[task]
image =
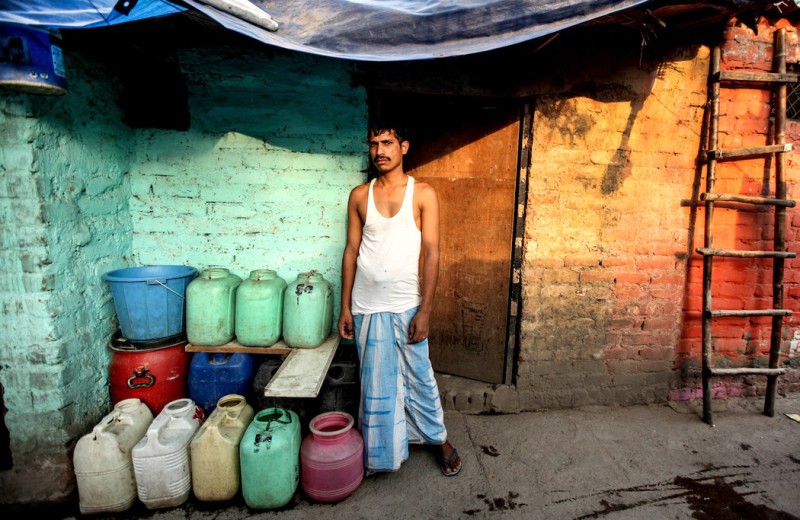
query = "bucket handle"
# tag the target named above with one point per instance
(162, 284)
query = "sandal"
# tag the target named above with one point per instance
(445, 463)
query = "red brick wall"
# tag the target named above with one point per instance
(611, 282)
(606, 235)
(744, 283)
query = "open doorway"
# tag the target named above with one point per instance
(468, 150)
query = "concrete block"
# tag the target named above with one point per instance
(504, 399)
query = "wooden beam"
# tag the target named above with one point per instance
(279, 348)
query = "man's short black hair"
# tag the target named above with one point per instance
(379, 127)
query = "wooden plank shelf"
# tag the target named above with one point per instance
(234, 346)
(302, 373)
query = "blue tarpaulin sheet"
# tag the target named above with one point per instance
(368, 30)
(75, 14)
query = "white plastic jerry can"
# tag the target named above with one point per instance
(161, 457)
(102, 458)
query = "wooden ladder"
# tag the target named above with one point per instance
(774, 81)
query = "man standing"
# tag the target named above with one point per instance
(390, 222)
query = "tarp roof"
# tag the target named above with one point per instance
(368, 30)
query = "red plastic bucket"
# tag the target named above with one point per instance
(156, 372)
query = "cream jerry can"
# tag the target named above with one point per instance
(214, 450)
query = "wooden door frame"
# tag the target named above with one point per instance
(515, 302)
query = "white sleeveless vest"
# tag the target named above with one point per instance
(387, 269)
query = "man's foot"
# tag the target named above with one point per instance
(449, 460)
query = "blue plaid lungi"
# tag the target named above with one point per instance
(400, 402)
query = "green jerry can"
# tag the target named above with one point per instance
(270, 458)
(211, 307)
(307, 311)
(259, 309)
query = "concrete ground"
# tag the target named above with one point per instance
(643, 462)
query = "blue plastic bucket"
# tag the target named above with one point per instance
(150, 300)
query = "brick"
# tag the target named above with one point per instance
(614, 353)
(596, 276)
(560, 276)
(582, 261)
(658, 353)
(656, 263)
(629, 291)
(671, 280)
(659, 324)
(635, 278)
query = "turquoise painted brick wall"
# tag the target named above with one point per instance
(65, 220)
(261, 179)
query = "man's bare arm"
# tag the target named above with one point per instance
(349, 257)
(429, 226)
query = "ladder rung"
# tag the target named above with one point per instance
(729, 197)
(720, 155)
(750, 312)
(756, 77)
(747, 371)
(745, 254)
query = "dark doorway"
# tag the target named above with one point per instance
(467, 149)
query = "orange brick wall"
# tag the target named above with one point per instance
(611, 283)
(744, 122)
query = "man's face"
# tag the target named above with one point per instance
(386, 152)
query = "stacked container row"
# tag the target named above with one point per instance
(259, 310)
(162, 460)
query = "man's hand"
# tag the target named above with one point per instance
(346, 329)
(418, 330)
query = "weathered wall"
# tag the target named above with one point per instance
(260, 180)
(606, 237)
(262, 177)
(65, 220)
(612, 284)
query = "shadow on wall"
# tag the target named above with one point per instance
(6, 462)
(172, 74)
